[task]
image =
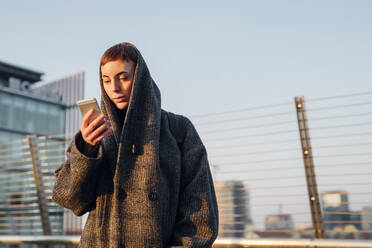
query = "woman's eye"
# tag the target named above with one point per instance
(106, 82)
(126, 78)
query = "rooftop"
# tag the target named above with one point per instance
(8, 70)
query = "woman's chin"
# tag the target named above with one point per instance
(121, 105)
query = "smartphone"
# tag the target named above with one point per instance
(86, 105)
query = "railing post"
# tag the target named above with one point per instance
(307, 155)
(38, 177)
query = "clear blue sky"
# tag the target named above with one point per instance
(206, 56)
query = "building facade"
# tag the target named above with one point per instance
(34, 121)
(233, 207)
(338, 220)
(334, 206)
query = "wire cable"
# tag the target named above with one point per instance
(248, 127)
(244, 119)
(341, 135)
(339, 96)
(337, 126)
(253, 135)
(260, 161)
(341, 165)
(347, 184)
(342, 145)
(338, 106)
(278, 187)
(342, 155)
(254, 153)
(346, 213)
(240, 110)
(222, 189)
(234, 197)
(344, 174)
(258, 170)
(253, 144)
(338, 116)
(270, 178)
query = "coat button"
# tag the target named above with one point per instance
(133, 149)
(122, 194)
(153, 196)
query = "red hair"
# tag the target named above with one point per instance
(123, 51)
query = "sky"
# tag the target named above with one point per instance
(206, 56)
(218, 56)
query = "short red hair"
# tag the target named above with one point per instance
(123, 51)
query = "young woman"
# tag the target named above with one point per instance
(140, 171)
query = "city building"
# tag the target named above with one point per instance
(233, 206)
(366, 217)
(29, 109)
(279, 222)
(335, 209)
(338, 220)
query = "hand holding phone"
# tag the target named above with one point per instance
(94, 127)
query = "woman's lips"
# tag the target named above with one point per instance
(120, 99)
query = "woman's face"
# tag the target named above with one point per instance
(117, 78)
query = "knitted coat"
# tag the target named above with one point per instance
(149, 184)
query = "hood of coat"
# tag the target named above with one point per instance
(142, 117)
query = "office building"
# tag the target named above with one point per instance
(338, 220)
(47, 111)
(334, 206)
(233, 205)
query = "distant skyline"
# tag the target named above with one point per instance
(206, 56)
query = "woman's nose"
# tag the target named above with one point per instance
(115, 85)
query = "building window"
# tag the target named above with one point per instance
(42, 118)
(6, 111)
(30, 116)
(18, 114)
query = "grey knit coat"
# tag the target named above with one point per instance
(149, 184)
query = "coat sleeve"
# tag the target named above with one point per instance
(197, 217)
(76, 178)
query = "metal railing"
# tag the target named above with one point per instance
(297, 169)
(220, 243)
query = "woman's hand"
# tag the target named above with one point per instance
(95, 129)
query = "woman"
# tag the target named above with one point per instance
(142, 173)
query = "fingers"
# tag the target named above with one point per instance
(93, 131)
(98, 131)
(86, 118)
(100, 137)
(94, 124)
